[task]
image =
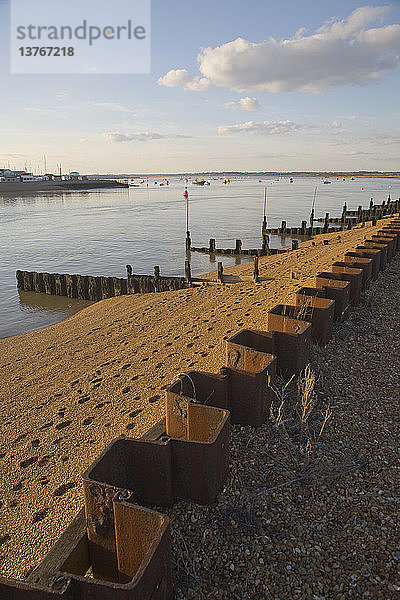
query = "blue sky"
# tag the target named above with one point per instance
(310, 85)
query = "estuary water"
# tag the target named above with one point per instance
(99, 232)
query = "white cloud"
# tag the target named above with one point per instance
(243, 104)
(338, 53)
(181, 77)
(263, 128)
(335, 125)
(142, 136)
(112, 106)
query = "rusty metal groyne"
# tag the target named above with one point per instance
(119, 538)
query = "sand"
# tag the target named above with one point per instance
(69, 389)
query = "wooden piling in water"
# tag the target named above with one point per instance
(326, 223)
(256, 271)
(188, 272)
(220, 273)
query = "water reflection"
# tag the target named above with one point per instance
(34, 302)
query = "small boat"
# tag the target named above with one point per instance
(291, 180)
(327, 181)
(199, 182)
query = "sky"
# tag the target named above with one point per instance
(250, 86)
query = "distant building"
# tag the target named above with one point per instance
(74, 176)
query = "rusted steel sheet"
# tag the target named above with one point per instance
(152, 471)
(292, 342)
(357, 260)
(375, 255)
(393, 230)
(291, 348)
(137, 568)
(319, 312)
(199, 448)
(336, 290)
(245, 393)
(250, 392)
(391, 238)
(383, 249)
(355, 276)
(141, 564)
(388, 242)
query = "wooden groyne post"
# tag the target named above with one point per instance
(326, 223)
(188, 271)
(256, 270)
(220, 273)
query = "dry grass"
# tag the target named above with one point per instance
(294, 413)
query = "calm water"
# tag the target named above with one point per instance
(98, 233)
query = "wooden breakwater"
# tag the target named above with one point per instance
(238, 250)
(88, 287)
(347, 220)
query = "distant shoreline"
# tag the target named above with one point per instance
(224, 174)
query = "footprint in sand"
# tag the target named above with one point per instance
(83, 399)
(20, 438)
(101, 404)
(28, 461)
(44, 460)
(39, 516)
(125, 390)
(88, 421)
(154, 399)
(62, 425)
(130, 426)
(4, 538)
(135, 413)
(64, 488)
(46, 425)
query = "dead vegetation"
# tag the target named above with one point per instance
(297, 414)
